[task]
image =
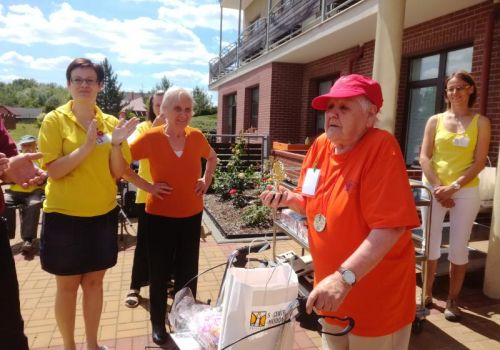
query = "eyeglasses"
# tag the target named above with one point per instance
(79, 81)
(457, 89)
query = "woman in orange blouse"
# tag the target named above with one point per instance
(174, 152)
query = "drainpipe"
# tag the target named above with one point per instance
(268, 22)
(238, 40)
(491, 286)
(355, 57)
(485, 71)
(220, 40)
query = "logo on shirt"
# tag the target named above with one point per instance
(350, 185)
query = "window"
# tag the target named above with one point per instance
(254, 107)
(231, 113)
(426, 93)
(323, 88)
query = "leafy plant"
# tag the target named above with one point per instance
(257, 215)
(230, 182)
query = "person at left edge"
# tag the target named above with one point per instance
(21, 170)
(83, 151)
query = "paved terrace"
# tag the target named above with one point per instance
(122, 328)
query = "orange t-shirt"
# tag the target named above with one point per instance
(364, 189)
(181, 173)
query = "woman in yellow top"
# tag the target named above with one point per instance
(83, 151)
(454, 151)
(140, 275)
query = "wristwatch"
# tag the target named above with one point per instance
(347, 276)
(455, 185)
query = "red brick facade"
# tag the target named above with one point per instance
(287, 89)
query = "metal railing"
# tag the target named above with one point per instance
(257, 143)
(286, 20)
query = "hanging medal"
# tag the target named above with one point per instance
(319, 222)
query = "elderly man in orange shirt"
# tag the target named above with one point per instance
(355, 193)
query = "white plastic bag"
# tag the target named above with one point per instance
(256, 299)
(201, 321)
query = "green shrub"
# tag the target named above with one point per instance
(257, 215)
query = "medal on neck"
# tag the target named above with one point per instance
(319, 222)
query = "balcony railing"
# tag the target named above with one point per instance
(287, 19)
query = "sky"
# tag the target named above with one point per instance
(143, 40)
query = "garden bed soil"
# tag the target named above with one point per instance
(228, 219)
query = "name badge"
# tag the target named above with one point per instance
(310, 182)
(102, 139)
(462, 141)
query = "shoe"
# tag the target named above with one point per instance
(103, 347)
(160, 334)
(27, 247)
(452, 313)
(133, 299)
(428, 301)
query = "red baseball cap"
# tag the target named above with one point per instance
(351, 86)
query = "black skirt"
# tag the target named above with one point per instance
(74, 245)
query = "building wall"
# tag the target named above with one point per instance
(9, 119)
(287, 96)
(289, 118)
(260, 77)
(254, 10)
(465, 27)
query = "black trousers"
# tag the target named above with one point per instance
(140, 266)
(169, 237)
(11, 322)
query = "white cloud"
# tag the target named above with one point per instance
(95, 56)
(16, 59)
(196, 15)
(184, 77)
(124, 73)
(140, 40)
(9, 78)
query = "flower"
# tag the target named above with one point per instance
(232, 191)
(241, 175)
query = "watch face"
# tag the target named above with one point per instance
(349, 277)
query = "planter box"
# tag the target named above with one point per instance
(280, 146)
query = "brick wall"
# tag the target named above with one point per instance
(465, 27)
(260, 77)
(286, 102)
(288, 116)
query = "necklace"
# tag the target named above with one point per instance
(319, 221)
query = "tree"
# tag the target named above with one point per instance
(29, 93)
(202, 102)
(163, 85)
(110, 98)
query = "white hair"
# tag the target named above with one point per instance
(173, 94)
(364, 102)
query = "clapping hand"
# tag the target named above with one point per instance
(123, 130)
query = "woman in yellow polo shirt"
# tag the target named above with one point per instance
(83, 153)
(454, 151)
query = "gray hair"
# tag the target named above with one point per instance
(173, 94)
(364, 102)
